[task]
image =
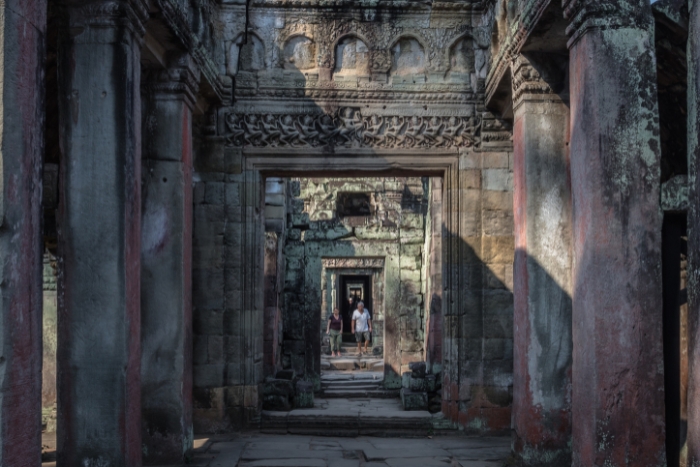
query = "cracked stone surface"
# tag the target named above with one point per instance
(261, 450)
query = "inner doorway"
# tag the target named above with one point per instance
(353, 289)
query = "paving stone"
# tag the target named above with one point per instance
(418, 450)
(420, 462)
(285, 463)
(344, 463)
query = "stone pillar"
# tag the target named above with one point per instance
(693, 433)
(22, 29)
(166, 264)
(618, 384)
(542, 344)
(99, 326)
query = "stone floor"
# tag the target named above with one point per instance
(260, 450)
(253, 449)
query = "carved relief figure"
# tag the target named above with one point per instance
(372, 131)
(307, 134)
(327, 130)
(462, 57)
(246, 57)
(414, 136)
(233, 128)
(408, 57)
(351, 57)
(450, 135)
(272, 134)
(392, 134)
(288, 132)
(299, 54)
(350, 128)
(432, 131)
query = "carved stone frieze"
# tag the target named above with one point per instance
(349, 128)
(353, 263)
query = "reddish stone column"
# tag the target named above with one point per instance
(166, 264)
(618, 384)
(693, 433)
(542, 344)
(23, 29)
(99, 346)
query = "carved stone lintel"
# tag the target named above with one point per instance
(354, 263)
(586, 15)
(349, 128)
(130, 14)
(181, 78)
(534, 81)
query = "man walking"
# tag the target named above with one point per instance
(361, 326)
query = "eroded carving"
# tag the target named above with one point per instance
(299, 54)
(351, 57)
(344, 263)
(408, 57)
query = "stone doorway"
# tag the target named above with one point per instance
(352, 290)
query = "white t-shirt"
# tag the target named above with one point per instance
(361, 320)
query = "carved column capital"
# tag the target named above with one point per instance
(541, 81)
(586, 15)
(180, 79)
(106, 14)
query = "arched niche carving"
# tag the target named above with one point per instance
(351, 57)
(298, 53)
(462, 56)
(245, 57)
(408, 57)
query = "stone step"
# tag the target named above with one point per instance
(351, 384)
(354, 393)
(338, 417)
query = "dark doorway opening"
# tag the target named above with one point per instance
(353, 289)
(675, 335)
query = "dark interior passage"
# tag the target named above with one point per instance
(353, 289)
(675, 335)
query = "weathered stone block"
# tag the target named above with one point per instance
(411, 400)
(209, 376)
(498, 201)
(417, 369)
(277, 403)
(498, 179)
(496, 160)
(497, 223)
(214, 193)
(417, 384)
(274, 212)
(430, 383)
(498, 249)
(234, 396)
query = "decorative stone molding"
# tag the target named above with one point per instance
(131, 14)
(194, 33)
(349, 128)
(353, 263)
(587, 15)
(531, 83)
(181, 78)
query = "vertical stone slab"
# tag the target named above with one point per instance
(542, 287)
(22, 37)
(617, 398)
(99, 349)
(166, 264)
(693, 401)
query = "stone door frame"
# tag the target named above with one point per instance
(331, 270)
(460, 204)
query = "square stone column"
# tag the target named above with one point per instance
(99, 326)
(693, 433)
(166, 263)
(23, 34)
(542, 345)
(618, 381)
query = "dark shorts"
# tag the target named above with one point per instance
(359, 335)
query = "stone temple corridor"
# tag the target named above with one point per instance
(189, 188)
